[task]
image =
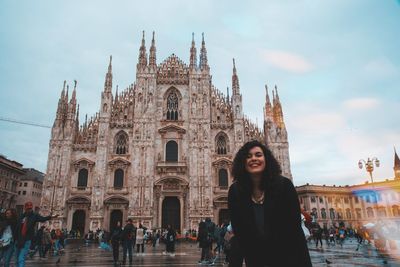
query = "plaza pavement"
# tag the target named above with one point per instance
(188, 254)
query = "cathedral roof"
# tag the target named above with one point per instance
(173, 71)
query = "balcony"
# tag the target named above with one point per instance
(220, 189)
(81, 190)
(117, 190)
(170, 167)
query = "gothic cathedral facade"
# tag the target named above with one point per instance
(158, 152)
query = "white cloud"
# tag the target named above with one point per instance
(318, 122)
(361, 103)
(287, 61)
(381, 68)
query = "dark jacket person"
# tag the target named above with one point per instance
(265, 211)
(26, 230)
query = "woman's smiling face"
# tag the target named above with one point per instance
(255, 161)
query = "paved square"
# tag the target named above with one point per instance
(188, 254)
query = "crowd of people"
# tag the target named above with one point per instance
(19, 237)
(381, 236)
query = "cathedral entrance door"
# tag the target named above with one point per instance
(78, 221)
(171, 213)
(223, 216)
(115, 216)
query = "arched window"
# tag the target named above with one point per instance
(83, 178)
(172, 106)
(339, 214)
(370, 212)
(171, 151)
(221, 146)
(332, 213)
(382, 212)
(222, 178)
(119, 178)
(358, 213)
(323, 213)
(348, 214)
(121, 143)
(314, 213)
(396, 212)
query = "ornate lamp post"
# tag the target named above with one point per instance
(369, 167)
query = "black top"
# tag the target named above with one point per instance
(31, 219)
(284, 243)
(259, 218)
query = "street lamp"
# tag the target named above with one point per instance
(369, 167)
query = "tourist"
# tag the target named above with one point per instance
(7, 232)
(140, 238)
(46, 243)
(265, 211)
(204, 243)
(170, 240)
(115, 240)
(25, 232)
(128, 240)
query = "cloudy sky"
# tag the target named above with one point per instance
(336, 64)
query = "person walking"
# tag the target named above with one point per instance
(25, 232)
(204, 243)
(318, 235)
(46, 243)
(115, 240)
(7, 233)
(140, 238)
(261, 201)
(170, 240)
(128, 240)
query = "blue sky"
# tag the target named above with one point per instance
(336, 64)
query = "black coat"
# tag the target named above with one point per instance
(32, 218)
(284, 244)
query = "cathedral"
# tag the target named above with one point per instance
(158, 152)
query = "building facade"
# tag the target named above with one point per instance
(356, 204)
(158, 152)
(10, 173)
(29, 188)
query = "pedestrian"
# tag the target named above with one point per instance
(36, 242)
(7, 232)
(154, 237)
(140, 238)
(170, 240)
(318, 235)
(204, 243)
(342, 236)
(227, 243)
(25, 232)
(265, 211)
(46, 242)
(115, 240)
(128, 240)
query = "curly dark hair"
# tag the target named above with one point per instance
(240, 174)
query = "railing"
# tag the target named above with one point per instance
(117, 190)
(171, 167)
(81, 190)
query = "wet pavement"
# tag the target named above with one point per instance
(188, 254)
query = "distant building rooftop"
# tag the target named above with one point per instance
(32, 175)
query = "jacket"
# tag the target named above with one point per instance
(32, 218)
(284, 244)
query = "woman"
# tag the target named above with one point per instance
(204, 242)
(8, 233)
(265, 211)
(115, 240)
(170, 240)
(140, 238)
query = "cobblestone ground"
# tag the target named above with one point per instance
(188, 254)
